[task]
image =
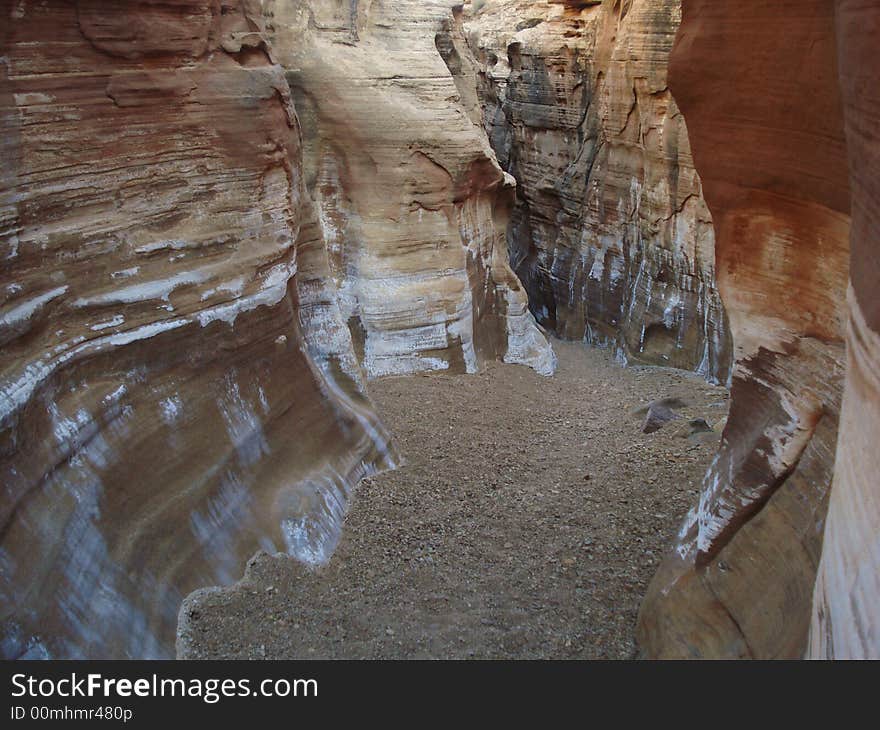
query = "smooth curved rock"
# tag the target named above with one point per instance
(412, 202)
(758, 85)
(846, 621)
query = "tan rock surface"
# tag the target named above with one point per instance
(758, 85)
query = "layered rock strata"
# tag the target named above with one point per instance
(192, 284)
(759, 87)
(177, 388)
(411, 200)
(610, 232)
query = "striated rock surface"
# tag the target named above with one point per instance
(846, 620)
(411, 200)
(177, 387)
(610, 231)
(758, 84)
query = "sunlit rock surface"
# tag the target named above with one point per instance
(758, 83)
(410, 198)
(610, 232)
(177, 387)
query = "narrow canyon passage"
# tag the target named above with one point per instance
(527, 521)
(224, 224)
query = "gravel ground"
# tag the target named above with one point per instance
(527, 522)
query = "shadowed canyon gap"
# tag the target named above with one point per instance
(221, 217)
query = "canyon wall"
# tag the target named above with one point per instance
(610, 232)
(612, 237)
(177, 387)
(411, 200)
(758, 84)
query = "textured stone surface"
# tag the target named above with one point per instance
(758, 84)
(410, 197)
(610, 231)
(176, 385)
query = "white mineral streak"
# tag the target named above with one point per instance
(170, 408)
(317, 507)
(243, 424)
(16, 391)
(114, 321)
(462, 329)
(142, 291)
(214, 525)
(17, 317)
(525, 344)
(271, 291)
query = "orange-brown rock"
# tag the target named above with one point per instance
(758, 85)
(846, 603)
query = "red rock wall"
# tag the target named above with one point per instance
(758, 84)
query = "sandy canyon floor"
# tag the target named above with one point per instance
(528, 519)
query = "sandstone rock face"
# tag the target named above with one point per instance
(758, 85)
(177, 387)
(846, 621)
(610, 232)
(411, 200)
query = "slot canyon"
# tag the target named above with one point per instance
(440, 329)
